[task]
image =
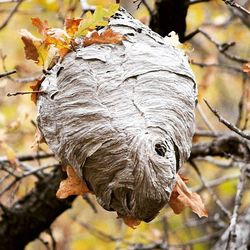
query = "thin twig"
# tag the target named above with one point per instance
(216, 199)
(205, 119)
(222, 66)
(217, 182)
(190, 2)
(242, 102)
(206, 133)
(223, 48)
(91, 204)
(25, 93)
(12, 12)
(53, 240)
(231, 243)
(237, 6)
(227, 123)
(7, 73)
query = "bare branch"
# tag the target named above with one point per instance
(191, 2)
(7, 73)
(213, 195)
(25, 93)
(232, 237)
(224, 146)
(222, 48)
(227, 123)
(222, 66)
(12, 12)
(237, 6)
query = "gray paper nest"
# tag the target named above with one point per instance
(123, 116)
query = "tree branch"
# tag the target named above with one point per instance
(7, 73)
(237, 6)
(12, 12)
(33, 214)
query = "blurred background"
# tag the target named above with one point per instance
(221, 82)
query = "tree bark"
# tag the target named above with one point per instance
(33, 214)
(170, 16)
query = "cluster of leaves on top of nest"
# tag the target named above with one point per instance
(56, 42)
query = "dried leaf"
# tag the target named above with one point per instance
(131, 222)
(35, 87)
(246, 68)
(182, 197)
(71, 25)
(73, 185)
(62, 47)
(106, 37)
(31, 45)
(42, 26)
(34, 48)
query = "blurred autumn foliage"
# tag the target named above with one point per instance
(219, 53)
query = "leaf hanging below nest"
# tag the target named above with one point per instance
(182, 197)
(129, 221)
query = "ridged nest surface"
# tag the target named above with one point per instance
(122, 116)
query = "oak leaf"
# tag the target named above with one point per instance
(106, 37)
(71, 25)
(42, 26)
(31, 44)
(73, 185)
(182, 197)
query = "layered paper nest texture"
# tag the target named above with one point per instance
(122, 116)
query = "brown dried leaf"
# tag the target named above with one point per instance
(31, 44)
(106, 37)
(35, 87)
(182, 197)
(131, 222)
(246, 68)
(73, 185)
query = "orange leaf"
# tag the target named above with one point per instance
(182, 197)
(129, 221)
(73, 185)
(42, 26)
(246, 68)
(71, 25)
(106, 37)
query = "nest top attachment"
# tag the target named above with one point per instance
(122, 116)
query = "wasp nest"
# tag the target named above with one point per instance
(122, 116)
